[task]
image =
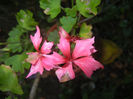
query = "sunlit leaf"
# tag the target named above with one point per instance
(51, 7)
(68, 22)
(25, 20)
(85, 31)
(9, 81)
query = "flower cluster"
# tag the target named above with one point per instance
(64, 65)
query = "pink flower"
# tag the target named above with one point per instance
(39, 59)
(81, 57)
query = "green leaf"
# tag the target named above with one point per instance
(18, 62)
(3, 56)
(25, 20)
(71, 11)
(14, 39)
(9, 80)
(93, 6)
(68, 22)
(85, 31)
(53, 37)
(87, 7)
(51, 7)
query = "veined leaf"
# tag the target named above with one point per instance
(14, 39)
(18, 62)
(9, 80)
(51, 7)
(87, 7)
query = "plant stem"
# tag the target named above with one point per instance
(34, 87)
(72, 3)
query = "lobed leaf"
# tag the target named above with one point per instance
(71, 11)
(51, 7)
(68, 22)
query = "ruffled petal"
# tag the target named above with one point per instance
(83, 48)
(46, 47)
(64, 46)
(36, 68)
(88, 65)
(65, 73)
(36, 39)
(33, 57)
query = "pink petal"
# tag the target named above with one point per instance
(65, 73)
(55, 58)
(63, 33)
(36, 39)
(33, 57)
(83, 48)
(64, 46)
(36, 68)
(88, 65)
(47, 63)
(46, 47)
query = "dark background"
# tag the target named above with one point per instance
(114, 22)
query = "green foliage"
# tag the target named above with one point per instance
(53, 37)
(51, 7)
(26, 23)
(85, 31)
(87, 7)
(18, 62)
(68, 22)
(25, 20)
(14, 43)
(9, 80)
(9, 97)
(71, 11)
